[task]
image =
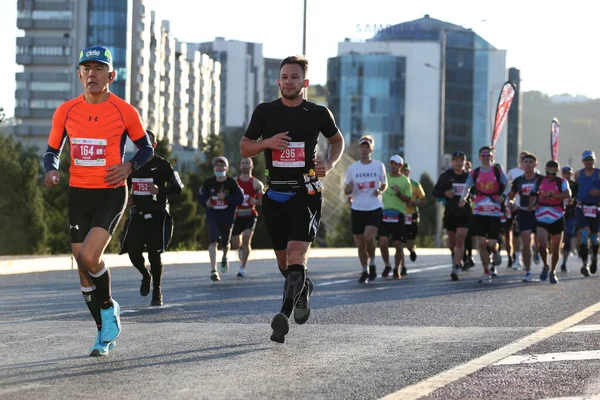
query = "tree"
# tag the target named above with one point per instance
(21, 207)
(342, 235)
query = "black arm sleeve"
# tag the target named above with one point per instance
(175, 185)
(144, 153)
(52, 155)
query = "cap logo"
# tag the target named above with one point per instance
(92, 53)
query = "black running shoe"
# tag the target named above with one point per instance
(563, 268)
(386, 271)
(396, 274)
(364, 278)
(145, 286)
(372, 272)
(594, 266)
(281, 326)
(413, 256)
(214, 276)
(585, 271)
(403, 271)
(157, 298)
(302, 309)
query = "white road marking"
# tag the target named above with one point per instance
(549, 357)
(428, 386)
(584, 328)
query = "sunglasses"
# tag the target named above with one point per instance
(550, 173)
(588, 159)
(486, 154)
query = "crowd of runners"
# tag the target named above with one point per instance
(537, 216)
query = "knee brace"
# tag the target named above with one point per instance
(594, 239)
(584, 236)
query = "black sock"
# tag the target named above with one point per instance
(285, 272)
(583, 252)
(91, 300)
(156, 268)
(292, 287)
(102, 283)
(452, 255)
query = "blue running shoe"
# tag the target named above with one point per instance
(111, 323)
(100, 349)
(544, 274)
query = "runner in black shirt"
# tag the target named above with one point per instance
(449, 187)
(220, 195)
(150, 223)
(288, 129)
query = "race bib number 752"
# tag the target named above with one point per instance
(292, 157)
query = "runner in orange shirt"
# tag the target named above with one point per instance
(96, 125)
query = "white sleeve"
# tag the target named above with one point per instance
(383, 174)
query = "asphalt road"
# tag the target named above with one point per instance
(422, 336)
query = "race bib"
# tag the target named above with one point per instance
(246, 199)
(292, 157)
(590, 211)
(366, 185)
(408, 218)
(89, 152)
(390, 218)
(218, 204)
(141, 186)
(458, 188)
(487, 208)
(526, 189)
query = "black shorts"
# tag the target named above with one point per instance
(485, 226)
(220, 225)
(397, 230)
(453, 222)
(244, 223)
(297, 219)
(362, 219)
(152, 230)
(555, 228)
(412, 228)
(94, 208)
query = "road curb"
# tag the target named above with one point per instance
(10, 265)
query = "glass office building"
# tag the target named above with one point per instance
(108, 27)
(367, 96)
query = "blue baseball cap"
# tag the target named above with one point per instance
(567, 169)
(96, 53)
(588, 154)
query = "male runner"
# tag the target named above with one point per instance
(570, 216)
(489, 182)
(220, 195)
(588, 199)
(394, 205)
(365, 181)
(412, 215)
(287, 131)
(520, 193)
(96, 124)
(468, 253)
(450, 187)
(150, 224)
(549, 193)
(246, 214)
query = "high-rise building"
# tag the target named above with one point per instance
(514, 121)
(154, 72)
(242, 79)
(271, 71)
(54, 36)
(425, 88)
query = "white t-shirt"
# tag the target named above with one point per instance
(367, 178)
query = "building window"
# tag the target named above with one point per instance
(51, 15)
(50, 86)
(45, 103)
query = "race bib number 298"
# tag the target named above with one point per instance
(292, 157)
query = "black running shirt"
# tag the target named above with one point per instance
(292, 169)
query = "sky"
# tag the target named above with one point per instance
(554, 45)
